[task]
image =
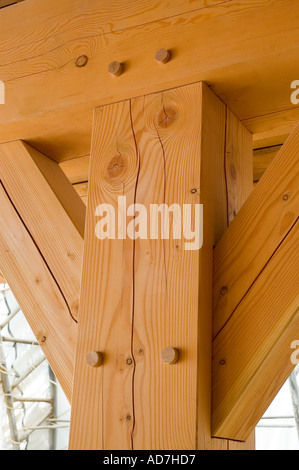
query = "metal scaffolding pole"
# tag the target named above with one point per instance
(295, 397)
(9, 386)
(8, 399)
(53, 392)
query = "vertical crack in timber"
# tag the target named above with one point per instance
(225, 169)
(164, 201)
(38, 249)
(134, 280)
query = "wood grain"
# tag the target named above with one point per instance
(263, 222)
(256, 318)
(252, 354)
(37, 293)
(102, 404)
(226, 181)
(76, 169)
(42, 227)
(143, 135)
(167, 147)
(2, 278)
(262, 159)
(7, 3)
(44, 57)
(51, 209)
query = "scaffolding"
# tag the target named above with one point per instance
(23, 368)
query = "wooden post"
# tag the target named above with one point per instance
(143, 295)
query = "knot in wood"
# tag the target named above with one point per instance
(81, 61)
(167, 116)
(116, 167)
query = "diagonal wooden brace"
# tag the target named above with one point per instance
(256, 299)
(41, 242)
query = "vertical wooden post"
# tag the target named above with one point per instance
(140, 296)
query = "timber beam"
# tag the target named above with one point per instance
(256, 299)
(55, 70)
(41, 240)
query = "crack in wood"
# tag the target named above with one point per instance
(134, 279)
(164, 198)
(39, 251)
(225, 169)
(257, 277)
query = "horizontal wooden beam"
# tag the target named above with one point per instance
(256, 299)
(41, 243)
(262, 159)
(7, 3)
(46, 86)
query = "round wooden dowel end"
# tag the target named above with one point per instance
(94, 358)
(115, 69)
(162, 56)
(170, 355)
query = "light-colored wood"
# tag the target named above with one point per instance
(248, 445)
(142, 280)
(37, 293)
(42, 225)
(132, 33)
(153, 149)
(163, 56)
(273, 129)
(256, 321)
(238, 166)
(6, 3)
(219, 444)
(82, 190)
(106, 297)
(52, 211)
(170, 356)
(226, 181)
(256, 346)
(76, 169)
(115, 69)
(94, 358)
(263, 223)
(262, 159)
(59, 185)
(2, 278)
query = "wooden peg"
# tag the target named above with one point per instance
(170, 355)
(115, 69)
(94, 358)
(162, 56)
